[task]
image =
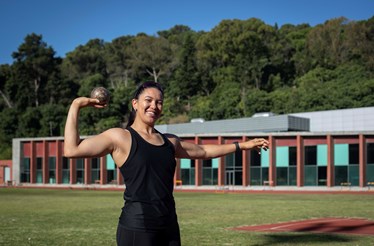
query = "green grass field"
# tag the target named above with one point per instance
(87, 217)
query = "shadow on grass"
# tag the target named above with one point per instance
(304, 239)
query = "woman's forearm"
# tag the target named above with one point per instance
(71, 133)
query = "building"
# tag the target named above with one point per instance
(298, 158)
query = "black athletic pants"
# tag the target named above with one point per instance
(167, 237)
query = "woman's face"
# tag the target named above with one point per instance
(148, 106)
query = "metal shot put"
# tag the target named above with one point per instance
(102, 94)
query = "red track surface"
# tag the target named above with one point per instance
(323, 225)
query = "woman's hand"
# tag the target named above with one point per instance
(256, 143)
(82, 102)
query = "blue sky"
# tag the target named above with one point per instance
(65, 24)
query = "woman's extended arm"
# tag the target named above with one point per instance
(98, 145)
(209, 151)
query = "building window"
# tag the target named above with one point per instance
(52, 169)
(65, 170)
(111, 170)
(370, 162)
(315, 169)
(210, 172)
(234, 169)
(259, 167)
(95, 170)
(187, 171)
(286, 165)
(346, 159)
(80, 171)
(39, 170)
(25, 170)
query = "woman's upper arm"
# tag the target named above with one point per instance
(98, 145)
(185, 149)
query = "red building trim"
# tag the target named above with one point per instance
(246, 164)
(300, 161)
(330, 161)
(103, 170)
(45, 170)
(272, 167)
(362, 160)
(221, 165)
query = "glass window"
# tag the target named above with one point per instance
(282, 176)
(25, 170)
(370, 173)
(282, 156)
(310, 155)
(39, 170)
(65, 170)
(80, 171)
(255, 175)
(255, 158)
(265, 174)
(292, 156)
(210, 172)
(95, 170)
(310, 175)
(341, 153)
(353, 154)
(370, 153)
(188, 176)
(230, 161)
(322, 155)
(322, 176)
(341, 175)
(110, 165)
(207, 163)
(292, 175)
(52, 169)
(65, 163)
(354, 176)
(264, 158)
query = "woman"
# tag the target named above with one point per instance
(146, 159)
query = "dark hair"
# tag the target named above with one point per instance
(139, 90)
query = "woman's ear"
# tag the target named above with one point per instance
(134, 103)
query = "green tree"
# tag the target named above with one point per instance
(152, 56)
(36, 61)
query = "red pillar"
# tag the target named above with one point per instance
(119, 177)
(45, 166)
(362, 160)
(272, 167)
(177, 173)
(246, 169)
(198, 167)
(300, 161)
(58, 162)
(87, 171)
(103, 170)
(33, 162)
(221, 166)
(330, 161)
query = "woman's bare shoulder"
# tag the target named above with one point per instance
(118, 133)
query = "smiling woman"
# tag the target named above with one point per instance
(146, 160)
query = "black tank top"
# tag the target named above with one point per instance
(148, 174)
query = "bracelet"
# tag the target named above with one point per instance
(237, 147)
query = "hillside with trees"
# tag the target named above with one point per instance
(238, 68)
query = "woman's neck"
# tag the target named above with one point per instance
(144, 128)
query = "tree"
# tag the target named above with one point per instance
(85, 60)
(117, 61)
(151, 55)
(5, 74)
(35, 59)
